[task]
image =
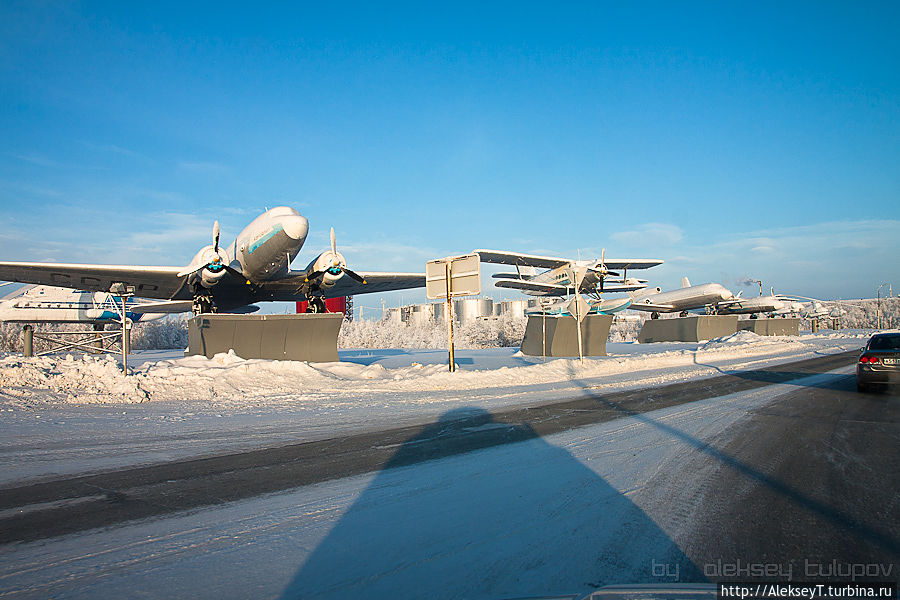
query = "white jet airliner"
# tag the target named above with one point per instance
(688, 297)
(253, 268)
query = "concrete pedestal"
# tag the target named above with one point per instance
(307, 337)
(561, 338)
(687, 329)
(770, 326)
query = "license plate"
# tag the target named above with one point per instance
(891, 361)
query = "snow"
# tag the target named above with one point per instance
(561, 514)
(73, 414)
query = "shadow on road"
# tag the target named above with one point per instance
(523, 518)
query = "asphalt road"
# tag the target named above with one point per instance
(809, 487)
(775, 463)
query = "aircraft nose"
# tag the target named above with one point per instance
(296, 226)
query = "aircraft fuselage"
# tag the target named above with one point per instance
(265, 248)
(687, 298)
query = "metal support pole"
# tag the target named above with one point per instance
(450, 320)
(544, 335)
(98, 337)
(578, 326)
(28, 340)
(124, 340)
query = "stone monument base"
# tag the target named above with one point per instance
(789, 326)
(307, 337)
(555, 335)
(687, 329)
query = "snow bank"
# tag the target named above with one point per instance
(75, 380)
(230, 380)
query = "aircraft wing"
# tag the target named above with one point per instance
(148, 282)
(376, 282)
(530, 286)
(551, 262)
(632, 263)
(523, 260)
(644, 306)
(288, 288)
(733, 301)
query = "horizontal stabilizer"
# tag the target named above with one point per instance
(166, 306)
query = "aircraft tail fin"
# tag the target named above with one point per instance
(685, 282)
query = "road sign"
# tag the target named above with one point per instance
(465, 276)
(450, 277)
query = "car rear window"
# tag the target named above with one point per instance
(885, 342)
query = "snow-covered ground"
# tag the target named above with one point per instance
(75, 414)
(561, 514)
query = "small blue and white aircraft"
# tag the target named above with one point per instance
(47, 304)
(253, 268)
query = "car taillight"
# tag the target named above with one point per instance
(868, 359)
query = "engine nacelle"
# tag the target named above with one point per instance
(214, 269)
(326, 269)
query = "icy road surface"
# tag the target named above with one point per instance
(65, 415)
(565, 513)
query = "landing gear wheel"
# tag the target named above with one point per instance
(316, 305)
(203, 305)
(683, 313)
(654, 315)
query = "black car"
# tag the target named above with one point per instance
(880, 361)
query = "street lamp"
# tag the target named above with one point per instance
(878, 314)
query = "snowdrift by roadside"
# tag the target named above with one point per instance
(230, 380)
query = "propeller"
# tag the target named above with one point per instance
(216, 264)
(602, 271)
(337, 267)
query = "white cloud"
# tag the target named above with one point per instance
(650, 234)
(829, 259)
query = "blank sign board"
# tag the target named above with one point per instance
(465, 276)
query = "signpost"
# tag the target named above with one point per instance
(579, 307)
(451, 277)
(125, 292)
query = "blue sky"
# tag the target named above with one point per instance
(732, 140)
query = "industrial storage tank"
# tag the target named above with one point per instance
(513, 308)
(393, 315)
(467, 310)
(419, 314)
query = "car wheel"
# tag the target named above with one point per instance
(862, 388)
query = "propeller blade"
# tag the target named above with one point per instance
(354, 276)
(216, 237)
(333, 244)
(313, 275)
(234, 272)
(189, 271)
